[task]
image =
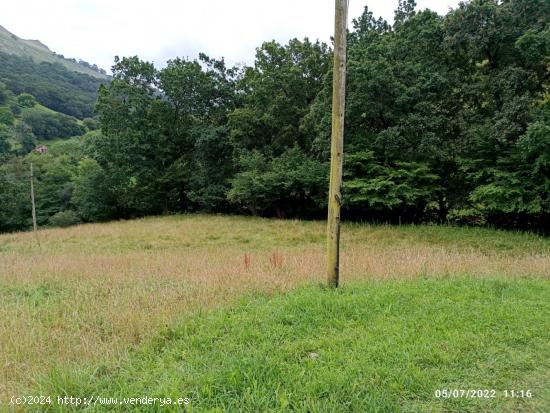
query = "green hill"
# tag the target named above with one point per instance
(25, 123)
(64, 85)
(39, 52)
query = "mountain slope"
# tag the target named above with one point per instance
(52, 84)
(39, 52)
(63, 85)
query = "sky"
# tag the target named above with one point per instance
(97, 30)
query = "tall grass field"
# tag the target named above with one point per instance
(231, 313)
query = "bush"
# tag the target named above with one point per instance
(290, 185)
(5, 136)
(466, 216)
(389, 190)
(92, 124)
(15, 109)
(6, 117)
(91, 196)
(26, 100)
(64, 219)
(3, 93)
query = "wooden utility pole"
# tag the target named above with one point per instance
(32, 200)
(337, 145)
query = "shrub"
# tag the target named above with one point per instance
(91, 196)
(3, 93)
(15, 109)
(26, 100)
(6, 117)
(466, 216)
(64, 219)
(5, 136)
(290, 185)
(91, 123)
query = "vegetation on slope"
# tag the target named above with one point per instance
(52, 84)
(448, 121)
(63, 85)
(24, 122)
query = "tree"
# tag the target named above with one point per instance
(92, 196)
(279, 90)
(5, 136)
(6, 117)
(25, 137)
(26, 100)
(15, 208)
(165, 144)
(91, 124)
(287, 186)
(402, 189)
(4, 93)
(53, 186)
(212, 168)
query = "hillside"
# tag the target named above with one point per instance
(25, 124)
(39, 52)
(63, 85)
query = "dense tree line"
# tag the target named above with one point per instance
(448, 120)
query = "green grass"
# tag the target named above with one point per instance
(382, 346)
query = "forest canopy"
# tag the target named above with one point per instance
(447, 120)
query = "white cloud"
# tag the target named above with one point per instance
(97, 30)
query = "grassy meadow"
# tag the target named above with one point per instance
(228, 312)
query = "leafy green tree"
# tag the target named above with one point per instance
(15, 109)
(53, 185)
(26, 100)
(139, 139)
(92, 196)
(6, 117)
(91, 124)
(286, 186)
(501, 50)
(64, 219)
(5, 136)
(162, 131)
(373, 189)
(15, 205)
(4, 93)
(25, 137)
(278, 92)
(212, 168)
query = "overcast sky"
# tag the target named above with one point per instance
(97, 30)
